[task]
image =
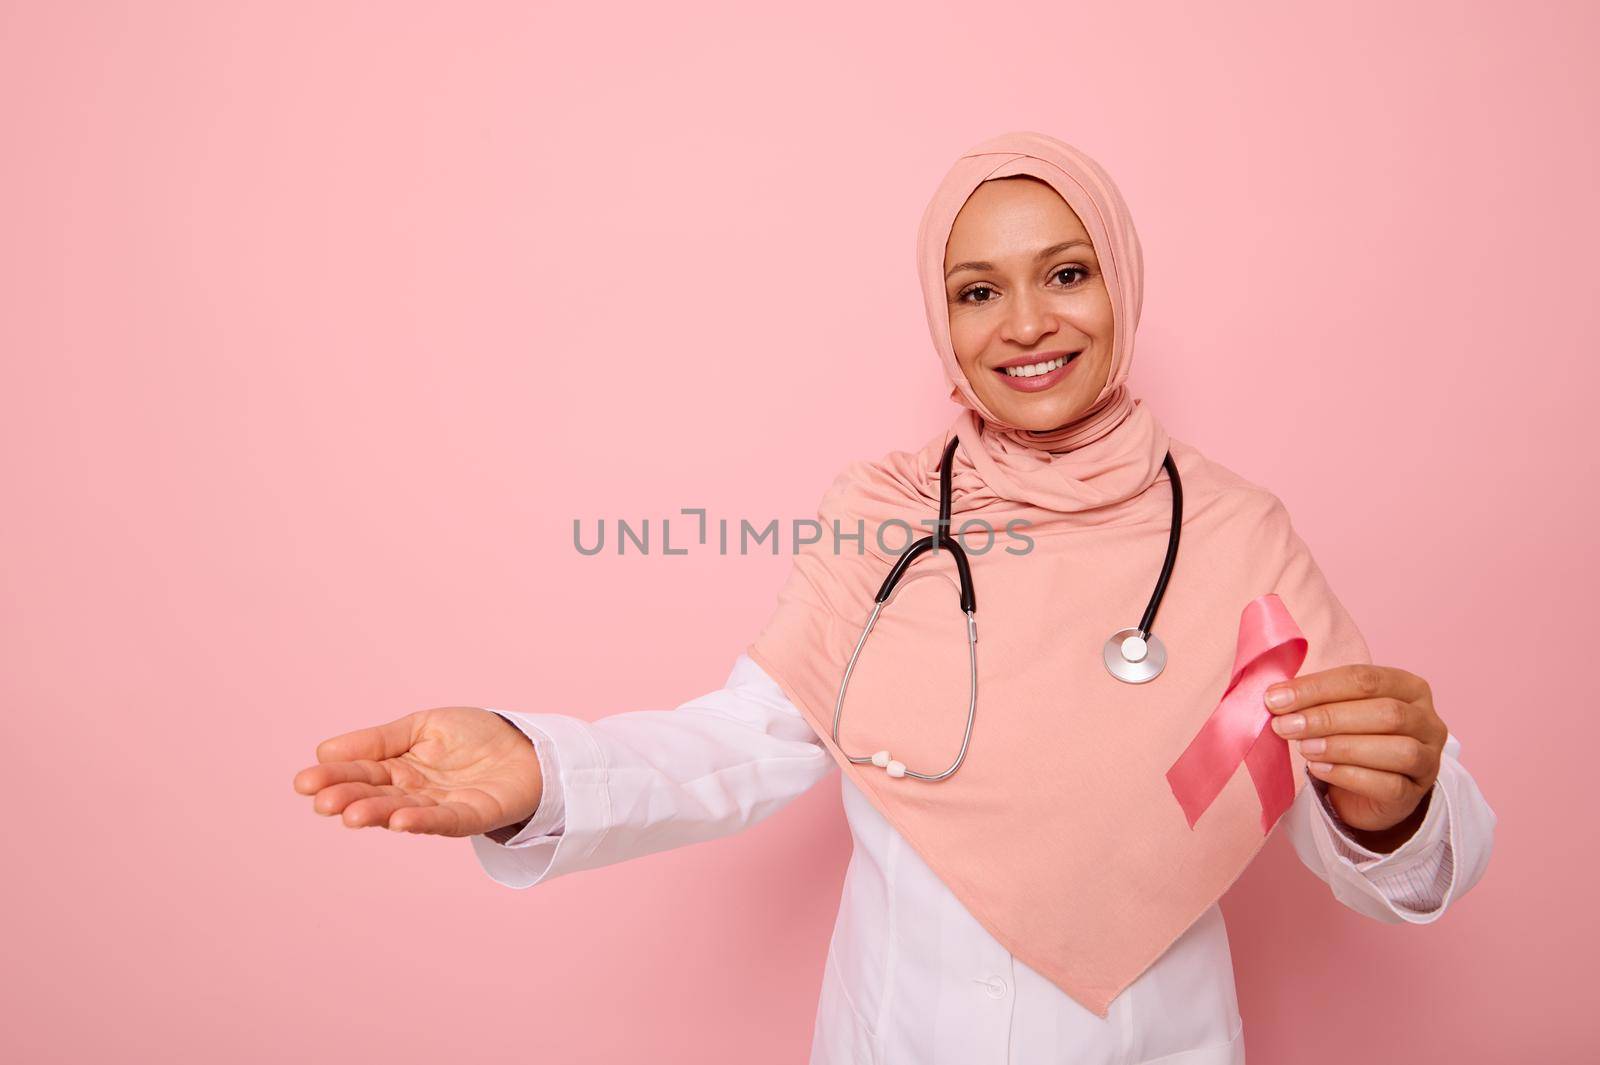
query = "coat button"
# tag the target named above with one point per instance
(995, 987)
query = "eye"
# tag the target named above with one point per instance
(989, 292)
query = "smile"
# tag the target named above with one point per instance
(1036, 368)
(1038, 376)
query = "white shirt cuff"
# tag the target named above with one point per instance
(1415, 876)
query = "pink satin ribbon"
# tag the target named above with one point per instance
(1271, 649)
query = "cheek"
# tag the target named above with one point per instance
(967, 340)
(1105, 320)
(1092, 318)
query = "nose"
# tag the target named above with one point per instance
(1027, 320)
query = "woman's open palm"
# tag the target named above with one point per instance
(450, 771)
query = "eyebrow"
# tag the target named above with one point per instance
(1054, 249)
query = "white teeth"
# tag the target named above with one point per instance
(1037, 368)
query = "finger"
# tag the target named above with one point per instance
(1367, 716)
(313, 779)
(374, 810)
(1405, 755)
(333, 800)
(375, 743)
(1357, 681)
(439, 819)
(1375, 784)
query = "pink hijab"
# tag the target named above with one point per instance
(1060, 832)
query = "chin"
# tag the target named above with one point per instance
(1037, 417)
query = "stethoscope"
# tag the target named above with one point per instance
(1133, 655)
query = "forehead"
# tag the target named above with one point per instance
(1011, 216)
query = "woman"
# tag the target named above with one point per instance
(1054, 897)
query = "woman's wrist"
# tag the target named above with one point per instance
(506, 832)
(1389, 840)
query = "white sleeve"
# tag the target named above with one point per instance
(1418, 880)
(647, 780)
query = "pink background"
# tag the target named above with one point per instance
(324, 321)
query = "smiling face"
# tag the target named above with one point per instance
(1025, 292)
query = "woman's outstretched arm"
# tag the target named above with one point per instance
(1417, 880)
(647, 780)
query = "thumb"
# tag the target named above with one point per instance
(375, 743)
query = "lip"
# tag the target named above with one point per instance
(1039, 382)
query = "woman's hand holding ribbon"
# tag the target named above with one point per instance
(1372, 734)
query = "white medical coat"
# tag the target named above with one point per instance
(911, 978)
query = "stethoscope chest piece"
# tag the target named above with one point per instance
(1134, 657)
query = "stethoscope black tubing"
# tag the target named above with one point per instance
(1172, 548)
(969, 601)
